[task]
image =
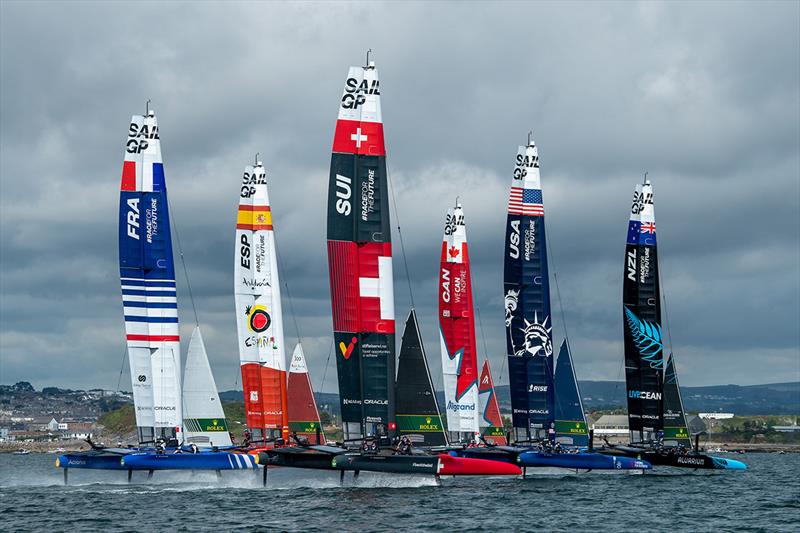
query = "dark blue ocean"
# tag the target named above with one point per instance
(764, 498)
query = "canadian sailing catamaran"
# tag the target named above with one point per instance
(457, 332)
(258, 313)
(644, 353)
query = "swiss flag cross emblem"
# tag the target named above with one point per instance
(356, 137)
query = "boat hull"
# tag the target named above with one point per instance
(689, 460)
(91, 460)
(438, 464)
(189, 461)
(296, 458)
(581, 461)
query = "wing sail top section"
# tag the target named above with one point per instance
(259, 316)
(529, 343)
(360, 259)
(457, 328)
(147, 276)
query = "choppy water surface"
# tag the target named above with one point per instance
(764, 498)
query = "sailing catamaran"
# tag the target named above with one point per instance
(362, 299)
(529, 340)
(644, 353)
(457, 332)
(258, 312)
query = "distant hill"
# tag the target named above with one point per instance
(773, 398)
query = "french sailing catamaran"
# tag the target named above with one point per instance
(529, 340)
(149, 298)
(650, 391)
(362, 298)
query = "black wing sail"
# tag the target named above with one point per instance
(675, 428)
(644, 356)
(417, 408)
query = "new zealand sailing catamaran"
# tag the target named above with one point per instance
(650, 391)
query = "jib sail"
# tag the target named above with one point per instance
(204, 422)
(360, 260)
(570, 418)
(529, 342)
(304, 418)
(417, 409)
(492, 429)
(675, 428)
(147, 275)
(644, 355)
(258, 310)
(457, 330)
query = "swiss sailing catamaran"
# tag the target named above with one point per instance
(362, 298)
(644, 355)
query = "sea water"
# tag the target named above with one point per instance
(766, 497)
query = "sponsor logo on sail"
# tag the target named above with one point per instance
(253, 395)
(537, 388)
(644, 395)
(138, 137)
(368, 195)
(347, 350)
(523, 163)
(258, 319)
(356, 93)
(456, 407)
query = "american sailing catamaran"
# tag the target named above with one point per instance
(529, 339)
(644, 355)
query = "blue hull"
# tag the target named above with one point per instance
(728, 464)
(91, 460)
(189, 461)
(581, 461)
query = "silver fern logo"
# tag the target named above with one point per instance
(512, 298)
(646, 336)
(537, 338)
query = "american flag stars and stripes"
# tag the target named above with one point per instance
(525, 202)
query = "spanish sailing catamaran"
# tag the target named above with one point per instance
(644, 354)
(258, 312)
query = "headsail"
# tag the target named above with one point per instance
(417, 409)
(644, 355)
(302, 406)
(258, 310)
(570, 418)
(204, 420)
(147, 275)
(675, 427)
(492, 429)
(457, 330)
(360, 260)
(529, 342)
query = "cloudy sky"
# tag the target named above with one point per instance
(704, 96)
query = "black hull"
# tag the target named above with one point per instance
(297, 458)
(395, 464)
(655, 457)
